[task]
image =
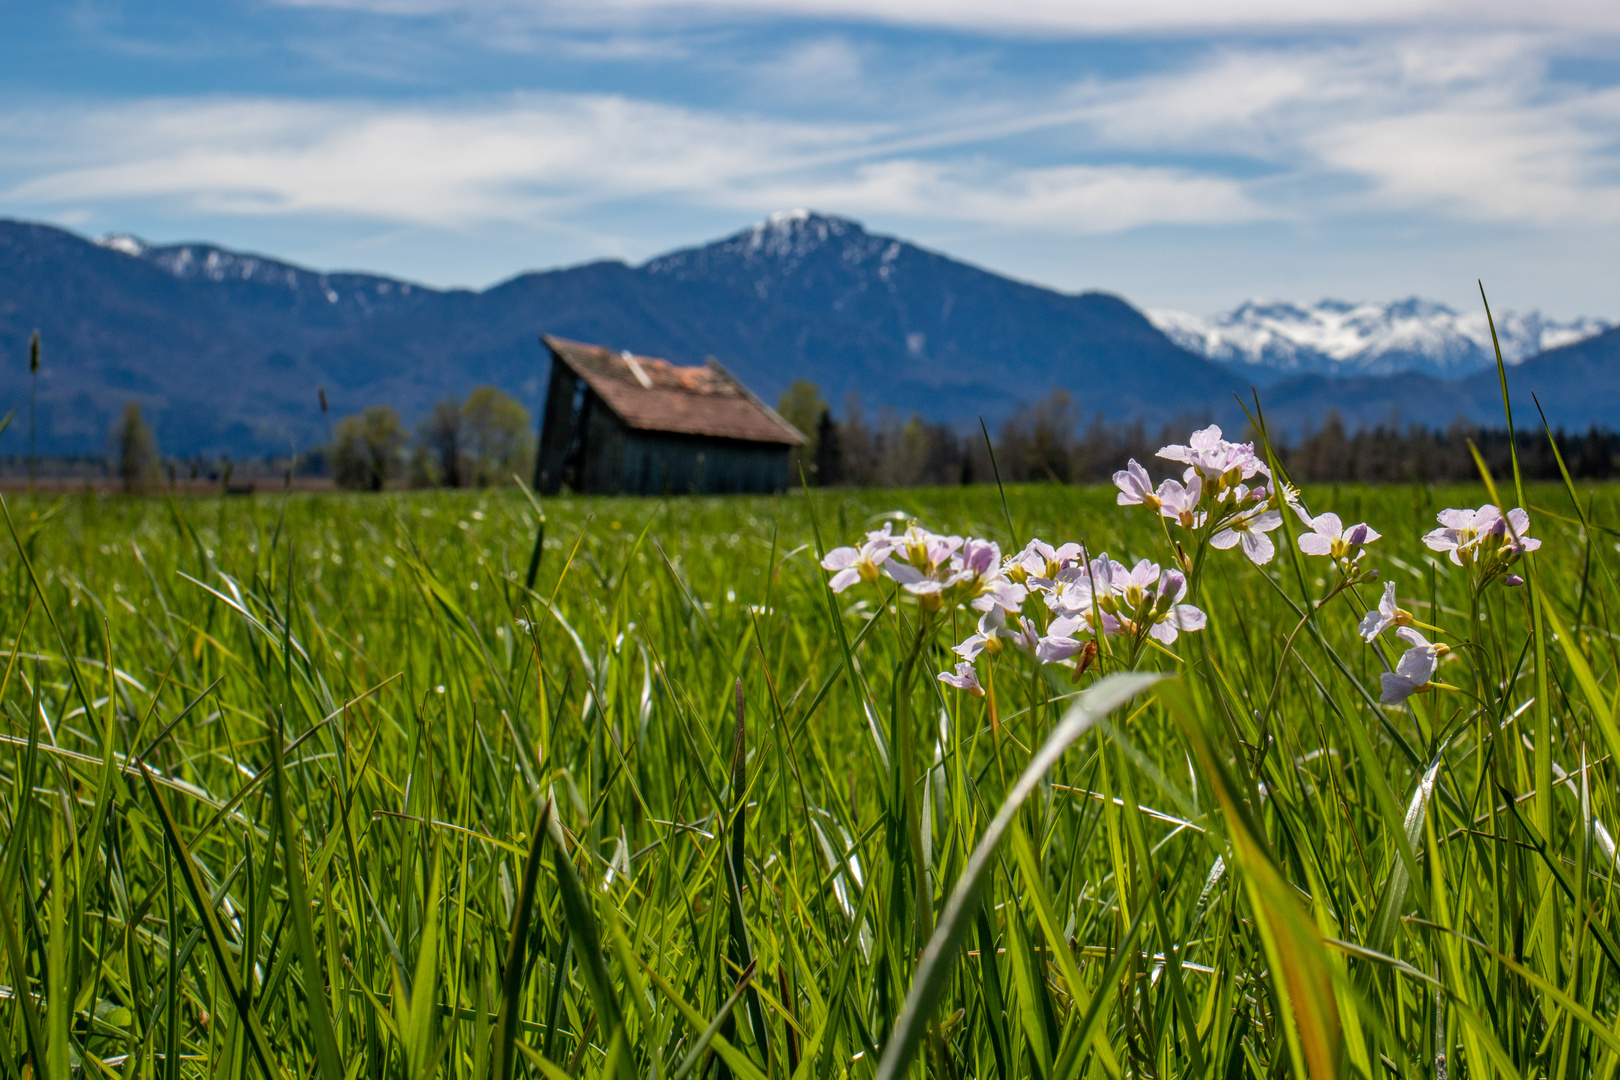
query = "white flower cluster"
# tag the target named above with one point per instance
(941, 571)
(1487, 542)
(1213, 492)
(1084, 598)
(1088, 599)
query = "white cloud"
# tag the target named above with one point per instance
(1485, 161)
(1446, 127)
(1076, 17)
(530, 157)
(1468, 128)
(543, 157)
(1077, 199)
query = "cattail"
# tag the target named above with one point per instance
(319, 391)
(33, 400)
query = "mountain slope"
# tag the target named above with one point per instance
(955, 340)
(1578, 386)
(1271, 340)
(224, 350)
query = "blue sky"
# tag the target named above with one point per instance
(1183, 153)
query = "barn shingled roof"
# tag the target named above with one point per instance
(655, 395)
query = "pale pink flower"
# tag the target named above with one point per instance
(1179, 502)
(1135, 486)
(993, 630)
(965, 678)
(1214, 457)
(852, 565)
(1384, 616)
(1514, 528)
(1169, 615)
(1415, 669)
(1078, 589)
(1462, 531)
(1042, 562)
(1059, 642)
(1250, 531)
(1331, 538)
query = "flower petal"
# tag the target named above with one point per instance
(1396, 689)
(839, 558)
(1258, 547)
(903, 572)
(1164, 632)
(1411, 636)
(1440, 540)
(1052, 649)
(965, 678)
(1315, 544)
(1187, 617)
(1417, 664)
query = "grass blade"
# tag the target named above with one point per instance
(327, 1056)
(938, 959)
(512, 974)
(234, 987)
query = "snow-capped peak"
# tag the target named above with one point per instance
(795, 233)
(124, 242)
(797, 245)
(1340, 338)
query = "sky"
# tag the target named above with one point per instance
(1186, 154)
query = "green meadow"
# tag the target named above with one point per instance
(322, 787)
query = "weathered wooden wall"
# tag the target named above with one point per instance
(656, 463)
(589, 450)
(556, 430)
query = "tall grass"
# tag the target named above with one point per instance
(319, 788)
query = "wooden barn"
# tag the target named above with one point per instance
(622, 424)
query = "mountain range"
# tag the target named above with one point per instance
(1274, 339)
(224, 350)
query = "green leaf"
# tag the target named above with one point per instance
(234, 987)
(938, 959)
(512, 974)
(327, 1056)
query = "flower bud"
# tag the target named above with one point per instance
(1088, 656)
(1513, 580)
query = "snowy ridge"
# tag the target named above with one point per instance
(207, 262)
(782, 248)
(1342, 339)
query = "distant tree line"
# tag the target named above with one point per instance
(1047, 442)
(487, 438)
(481, 441)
